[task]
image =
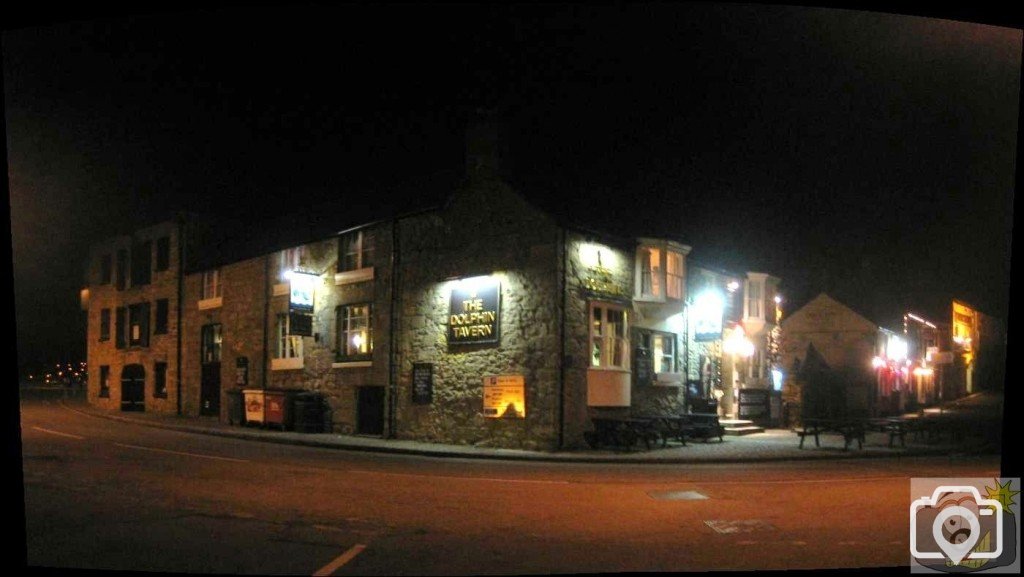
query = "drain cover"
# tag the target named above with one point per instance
(742, 526)
(677, 495)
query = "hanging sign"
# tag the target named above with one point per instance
(474, 311)
(302, 286)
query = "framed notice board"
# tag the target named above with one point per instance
(422, 383)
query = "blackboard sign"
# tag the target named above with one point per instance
(242, 371)
(300, 324)
(422, 383)
(474, 311)
(753, 403)
(643, 367)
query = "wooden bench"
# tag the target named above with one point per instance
(622, 432)
(704, 426)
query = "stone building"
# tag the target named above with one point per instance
(133, 340)
(841, 341)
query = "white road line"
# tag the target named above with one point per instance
(493, 479)
(345, 557)
(183, 454)
(58, 433)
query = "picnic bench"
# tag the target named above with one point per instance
(622, 432)
(850, 429)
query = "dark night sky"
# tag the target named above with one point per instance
(866, 154)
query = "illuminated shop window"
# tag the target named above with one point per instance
(355, 250)
(355, 332)
(608, 342)
(211, 284)
(288, 346)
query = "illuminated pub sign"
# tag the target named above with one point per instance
(301, 291)
(474, 311)
(504, 397)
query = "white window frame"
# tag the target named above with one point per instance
(674, 280)
(652, 276)
(605, 342)
(755, 298)
(288, 346)
(346, 332)
(659, 358)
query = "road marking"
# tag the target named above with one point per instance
(58, 433)
(345, 557)
(538, 481)
(182, 453)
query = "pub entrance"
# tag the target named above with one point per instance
(133, 388)
(370, 411)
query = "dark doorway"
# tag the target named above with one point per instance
(209, 386)
(133, 388)
(370, 411)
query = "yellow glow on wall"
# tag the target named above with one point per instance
(504, 397)
(593, 255)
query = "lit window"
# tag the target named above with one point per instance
(138, 325)
(356, 250)
(608, 342)
(651, 273)
(674, 275)
(288, 346)
(355, 332)
(663, 353)
(211, 284)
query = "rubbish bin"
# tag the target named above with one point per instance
(308, 413)
(274, 400)
(254, 404)
(236, 410)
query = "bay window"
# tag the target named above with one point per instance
(609, 344)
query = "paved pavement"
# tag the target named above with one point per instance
(772, 445)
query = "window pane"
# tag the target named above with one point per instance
(656, 272)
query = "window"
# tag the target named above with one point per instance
(163, 253)
(160, 380)
(211, 340)
(608, 341)
(355, 332)
(160, 327)
(211, 284)
(288, 346)
(651, 277)
(138, 325)
(121, 328)
(104, 381)
(122, 269)
(663, 354)
(355, 250)
(754, 299)
(105, 266)
(674, 275)
(142, 263)
(289, 260)
(105, 325)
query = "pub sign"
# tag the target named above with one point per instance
(474, 311)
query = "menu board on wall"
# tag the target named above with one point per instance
(504, 397)
(422, 383)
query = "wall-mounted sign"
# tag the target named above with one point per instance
(300, 324)
(707, 312)
(303, 286)
(242, 371)
(601, 284)
(504, 397)
(422, 383)
(474, 311)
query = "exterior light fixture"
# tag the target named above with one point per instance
(778, 299)
(737, 343)
(732, 286)
(877, 362)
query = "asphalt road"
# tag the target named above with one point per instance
(101, 494)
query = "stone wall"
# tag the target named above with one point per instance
(486, 229)
(162, 347)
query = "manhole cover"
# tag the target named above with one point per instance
(677, 495)
(742, 526)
